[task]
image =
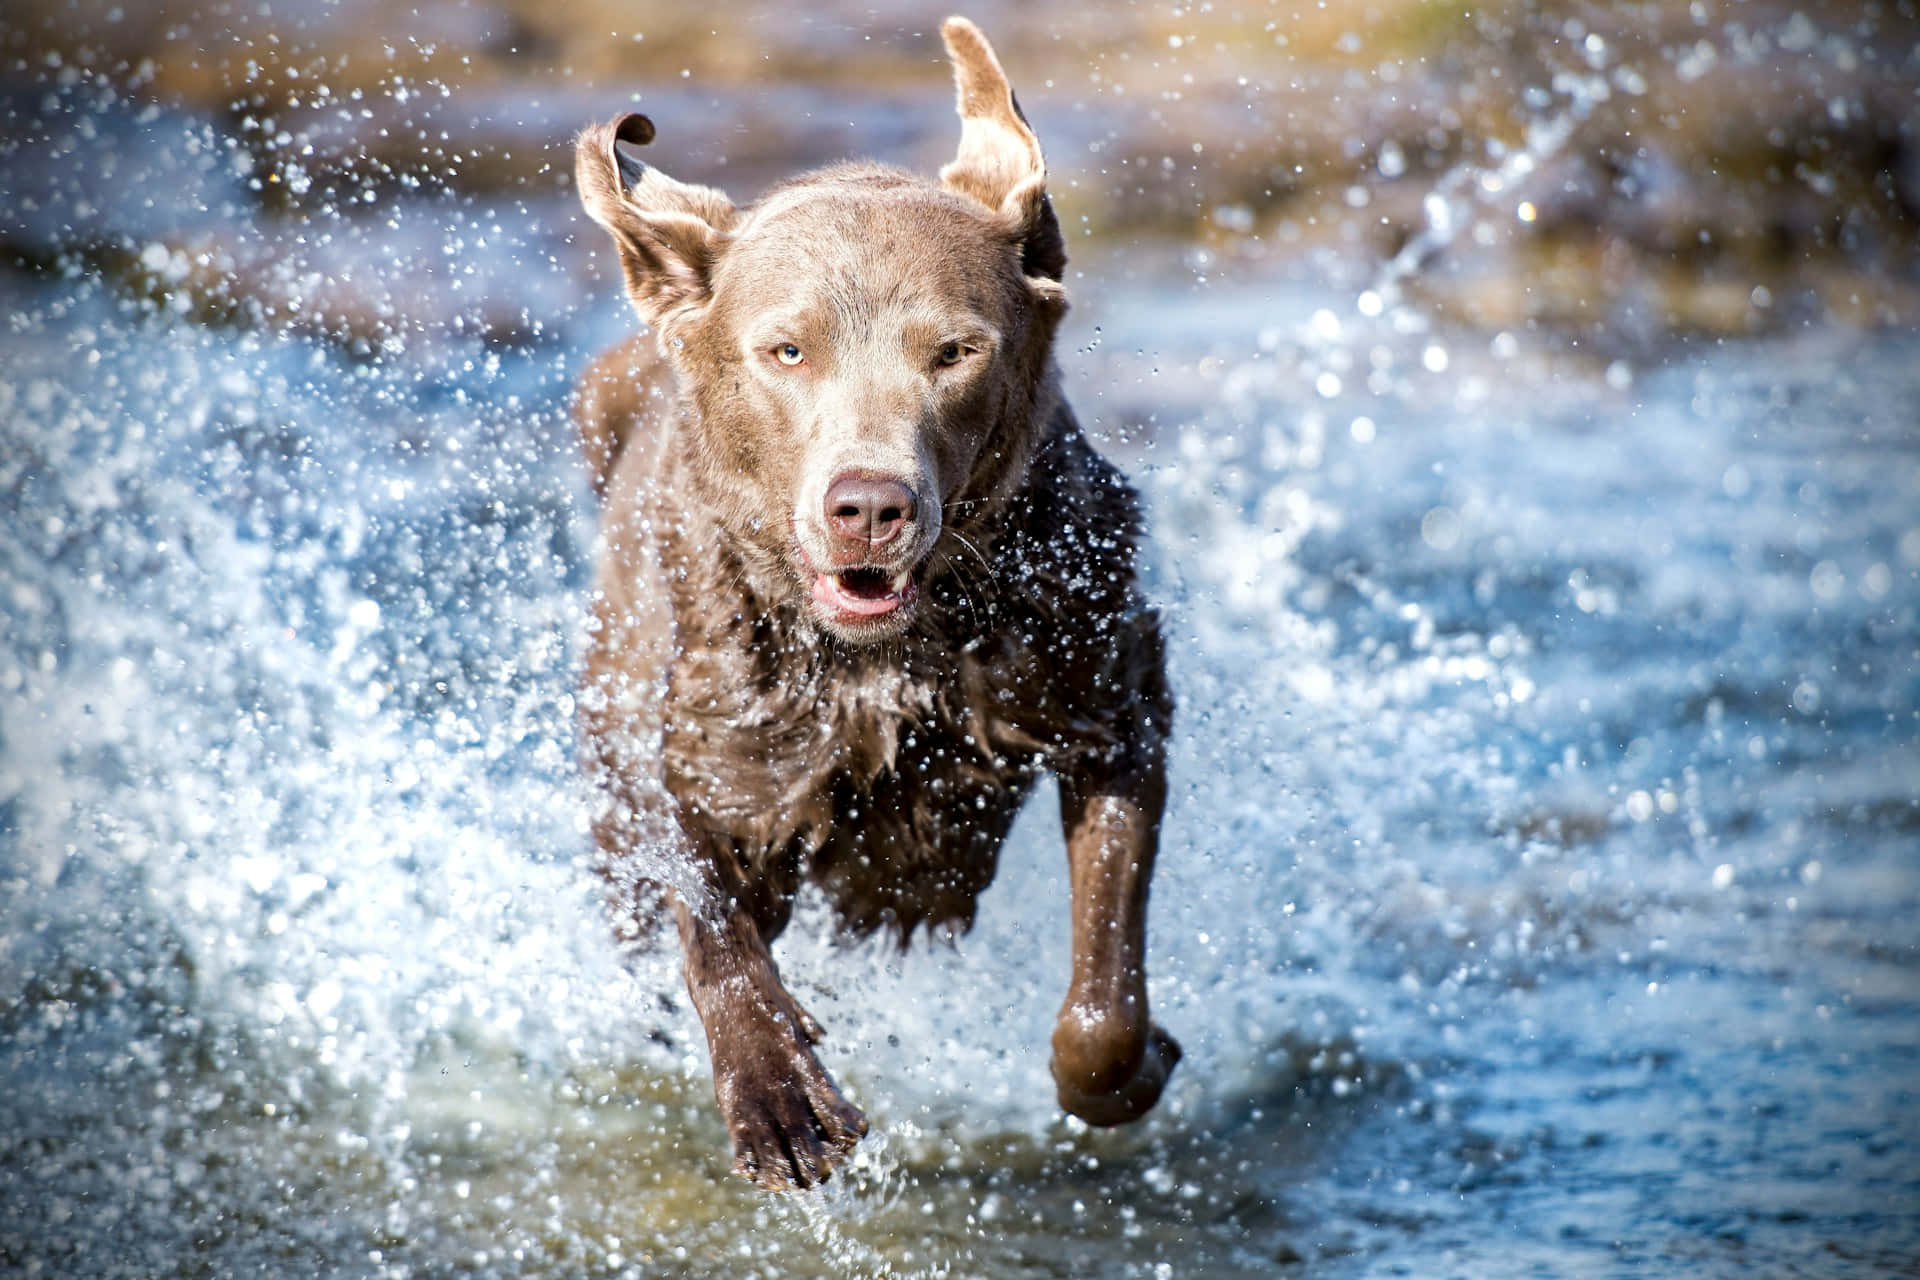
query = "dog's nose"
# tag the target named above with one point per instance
(867, 508)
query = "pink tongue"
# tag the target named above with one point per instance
(827, 591)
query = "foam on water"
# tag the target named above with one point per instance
(1541, 840)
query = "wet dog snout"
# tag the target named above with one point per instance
(868, 510)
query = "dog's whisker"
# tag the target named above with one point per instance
(960, 579)
(980, 555)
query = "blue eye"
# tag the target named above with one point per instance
(788, 354)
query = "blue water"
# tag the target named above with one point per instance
(1540, 878)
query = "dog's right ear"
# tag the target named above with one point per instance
(669, 233)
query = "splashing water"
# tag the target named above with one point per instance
(1536, 886)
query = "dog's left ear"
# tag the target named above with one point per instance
(669, 233)
(999, 163)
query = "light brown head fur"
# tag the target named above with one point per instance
(859, 326)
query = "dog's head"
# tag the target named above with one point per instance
(867, 352)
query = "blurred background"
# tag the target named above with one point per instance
(1524, 395)
(1623, 172)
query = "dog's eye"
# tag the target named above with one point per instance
(952, 353)
(788, 354)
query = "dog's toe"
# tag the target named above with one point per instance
(792, 1138)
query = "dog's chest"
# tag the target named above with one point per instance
(774, 756)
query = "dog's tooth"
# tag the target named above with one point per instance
(899, 582)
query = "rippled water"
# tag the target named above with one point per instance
(1540, 878)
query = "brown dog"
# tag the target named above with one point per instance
(863, 579)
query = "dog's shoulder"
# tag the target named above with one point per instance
(626, 389)
(1072, 531)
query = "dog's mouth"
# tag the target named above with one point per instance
(864, 592)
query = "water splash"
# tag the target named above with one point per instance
(1529, 774)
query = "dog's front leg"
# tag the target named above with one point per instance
(1110, 1061)
(789, 1124)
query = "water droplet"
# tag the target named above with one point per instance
(1440, 528)
(1806, 697)
(1876, 581)
(1827, 581)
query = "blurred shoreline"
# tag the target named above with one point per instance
(1591, 173)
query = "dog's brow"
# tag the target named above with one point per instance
(778, 326)
(933, 328)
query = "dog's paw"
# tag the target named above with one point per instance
(1128, 1099)
(789, 1124)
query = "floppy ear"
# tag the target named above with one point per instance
(668, 233)
(999, 162)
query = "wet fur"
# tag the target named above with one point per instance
(762, 747)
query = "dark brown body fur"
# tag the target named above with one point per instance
(756, 735)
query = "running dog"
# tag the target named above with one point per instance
(863, 579)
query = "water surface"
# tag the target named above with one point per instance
(1540, 875)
